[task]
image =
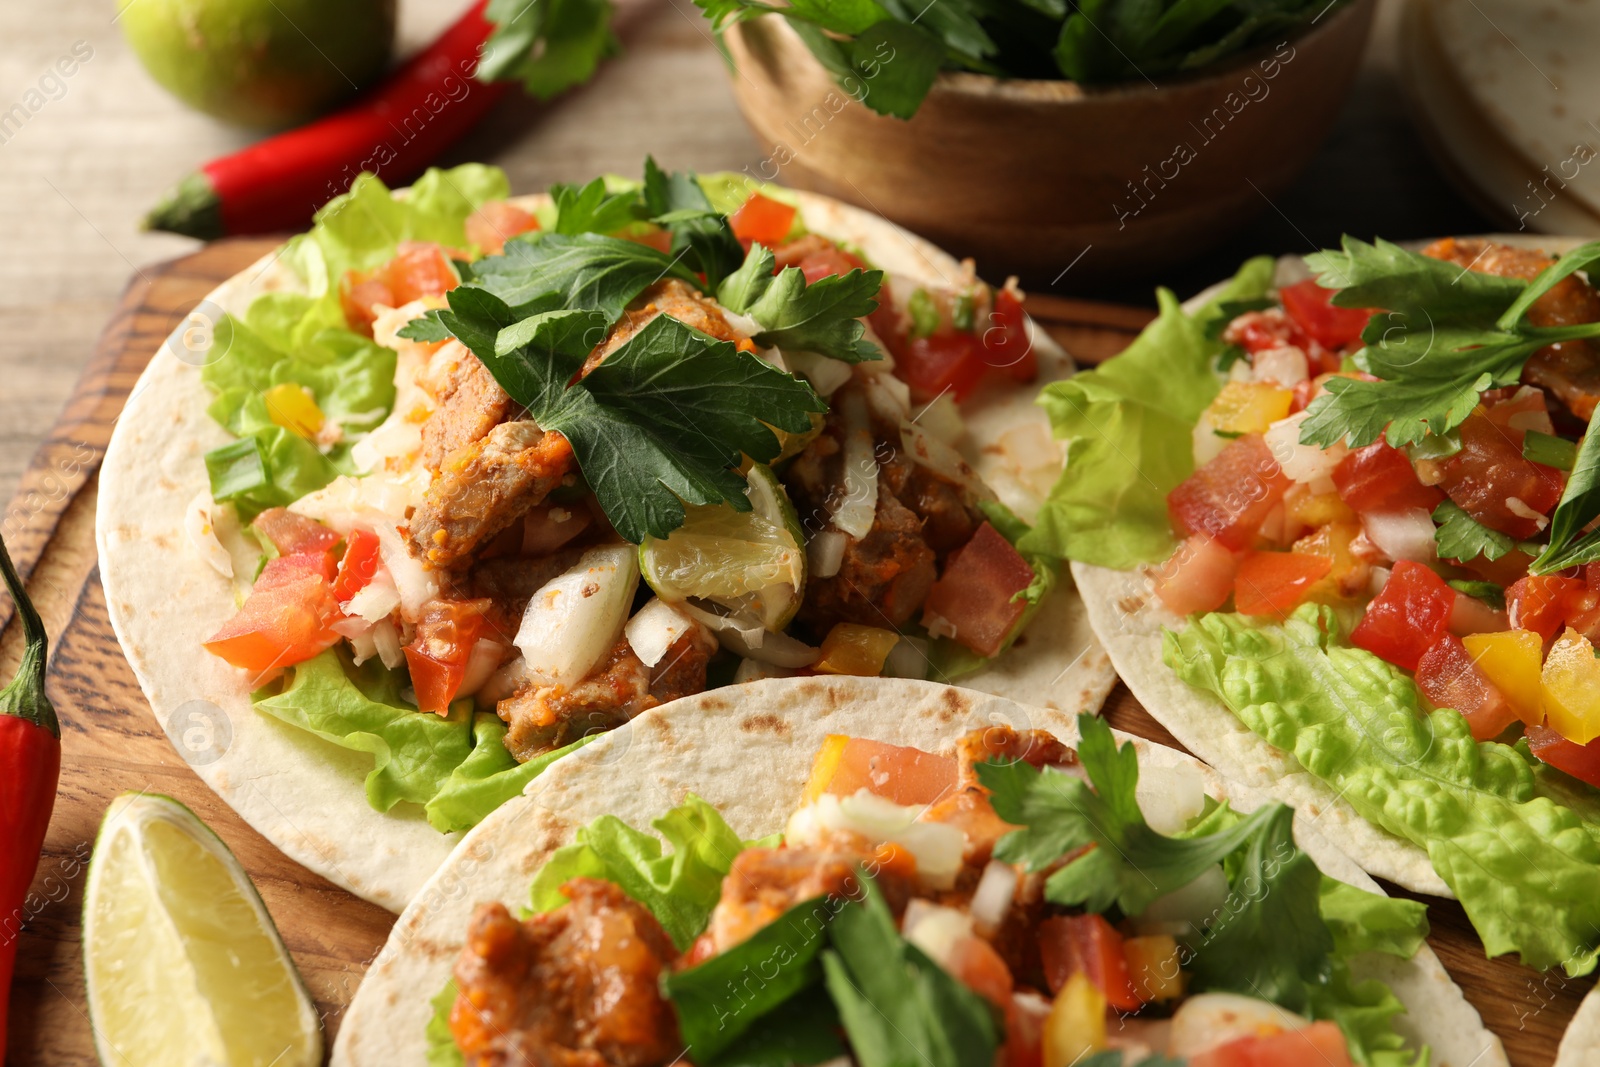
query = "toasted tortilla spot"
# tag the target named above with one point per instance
(766, 722)
(953, 703)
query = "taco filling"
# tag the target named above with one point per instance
(603, 455)
(1375, 501)
(1016, 902)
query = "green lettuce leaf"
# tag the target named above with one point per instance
(1525, 867)
(487, 778)
(1370, 922)
(1128, 426)
(679, 887)
(442, 1048)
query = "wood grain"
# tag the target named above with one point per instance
(111, 743)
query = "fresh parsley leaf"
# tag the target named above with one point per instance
(425, 328)
(661, 422)
(898, 1006)
(803, 1032)
(1462, 538)
(823, 316)
(1549, 450)
(593, 208)
(1580, 504)
(546, 271)
(1488, 592)
(546, 45)
(1131, 865)
(701, 236)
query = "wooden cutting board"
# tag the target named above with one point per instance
(112, 743)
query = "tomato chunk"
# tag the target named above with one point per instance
(286, 622)
(1309, 305)
(1450, 678)
(437, 655)
(762, 219)
(1273, 583)
(1198, 577)
(1320, 1043)
(292, 533)
(943, 362)
(977, 595)
(1405, 620)
(1090, 946)
(1494, 484)
(1381, 478)
(1540, 602)
(286, 570)
(1580, 761)
(359, 564)
(418, 269)
(846, 765)
(1229, 498)
(978, 966)
(495, 223)
(1006, 344)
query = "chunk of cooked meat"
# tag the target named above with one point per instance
(949, 516)
(574, 987)
(671, 297)
(471, 403)
(545, 718)
(882, 579)
(1570, 369)
(484, 488)
(968, 806)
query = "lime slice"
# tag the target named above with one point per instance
(753, 563)
(181, 959)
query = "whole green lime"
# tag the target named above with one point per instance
(263, 63)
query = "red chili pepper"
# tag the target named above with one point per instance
(30, 765)
(394, 130)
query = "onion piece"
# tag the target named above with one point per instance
(482, 663)
(753, 670)
(825, 553)
(575, 618)
(935, 929)
(1210, 1020)
(1404, 534)
(415, 583)
(997, 888)
(937, 847)
(720, 621)
(941, 418)
(1170, 797)
(550, 526)
(376, 600)
(824, 373)
(655, 628)
(1301, 463)
(201, 527)
(775, 649)
(932, 453)
(907, 659)
(387, 641)
(855, 514)
(507, 679)
(1281, 365)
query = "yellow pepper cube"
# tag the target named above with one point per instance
(293, 407)
(1153, 967)
(1248, 407)
(1511, 661)
(1570, 686)
(1076, 1025)
(825, 766)
(850, 648)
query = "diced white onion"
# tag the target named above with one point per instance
(824, 373)
(415, 583)
(720, 621)
(1378, 579)
(1283, 365)
(549, 526)
(1404, 534)
(377, 599)
(942, 418)
(509, 677)
(1515, 505)
(777, 649)
(743, 324)
(387, 641)
(655, 628)
(907, 659)
(575, 618)
(392, 439)
(1170, 797)
(202, 530)
(889, 396)
(1188, 908)
(825, 553)
(368, 501)
(1207, 443)
(935, 929)
(351, 627)
(855, 514)
(997, 888)
(930, 452)
(937, 847)
(1208, 1020)
(481, 665)
(753, 670)
(1300, 463)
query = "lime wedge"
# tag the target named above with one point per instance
(181, 959)
(752, 563)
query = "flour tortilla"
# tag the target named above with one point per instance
(1129, 619)
(1580, 1045)
(304, 794)
(748, 751)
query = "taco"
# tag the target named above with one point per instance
(1340, 553)
(438, 491)
(900, 872)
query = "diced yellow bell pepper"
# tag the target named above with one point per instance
(1153, 964)
(1570, 686)
(293, 407)
(1248, 407)
(1348, 576)
(824, 766)
(1318, 509)
(1076, 1025)
(1511, 660)
(851, 648)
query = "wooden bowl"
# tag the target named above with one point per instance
(1028, 175)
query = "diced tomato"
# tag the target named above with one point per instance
(939, 363)
(1087, 945)
(291, 533)
(975, 962)
(1381, 478)
(763, 219)
(827, 262)
(1591, 576)
(976, 598)
(1405, 620)
(438, 654)
(1197, 578)
(286, 570)
(284, 623)
(1006, 344)
(846, 765)
(1308, 304)
(1580, 761)
(1230, 497)
(359, 564)
(1494, 484)
(1447, 674)
(495, 223)
(418, 269)
(1541, 602)
(1025, 1017)
(1257, 331)
(1274, 583)
(1321, 1043)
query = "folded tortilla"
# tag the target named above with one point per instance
(748, 752)
(304, 794)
